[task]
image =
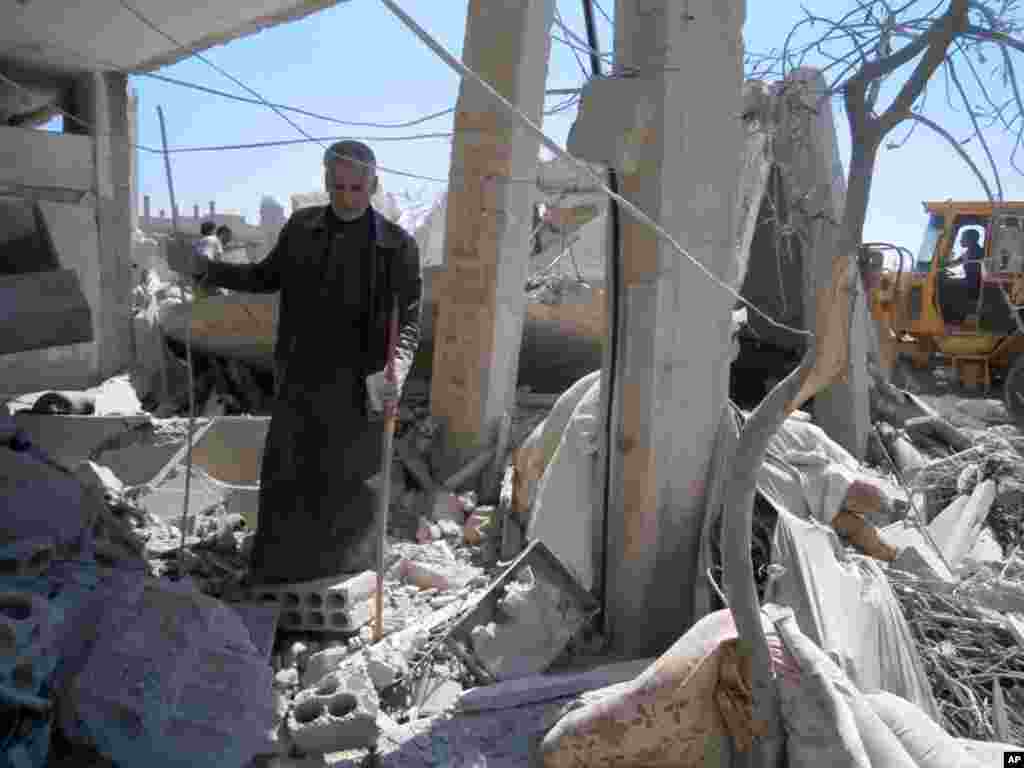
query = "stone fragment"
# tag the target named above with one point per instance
(287, 678)
(319, 664)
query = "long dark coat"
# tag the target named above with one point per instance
(316, 511)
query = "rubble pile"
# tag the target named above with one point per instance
(967, 651)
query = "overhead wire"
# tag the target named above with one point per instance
(469, 73)
(603, 12)
(558, 151)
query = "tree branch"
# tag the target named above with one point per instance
(956, 146)
(938, 39)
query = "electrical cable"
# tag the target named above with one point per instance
(604, 13)
(83, 123)
(610, 383)
(151, 25)
(292, 142)
(297, 110)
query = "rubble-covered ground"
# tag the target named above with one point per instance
(344, 696)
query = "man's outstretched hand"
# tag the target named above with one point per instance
(380, 391)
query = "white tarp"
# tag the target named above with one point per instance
(566, 512)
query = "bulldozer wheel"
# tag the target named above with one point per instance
(1013, 392)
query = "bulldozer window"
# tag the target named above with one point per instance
(932, 233)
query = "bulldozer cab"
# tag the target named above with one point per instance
(960, 295)
(967, 276)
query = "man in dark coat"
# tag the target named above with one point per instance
(337, 268)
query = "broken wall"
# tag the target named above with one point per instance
(57, 170)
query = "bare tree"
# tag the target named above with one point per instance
(897, 68)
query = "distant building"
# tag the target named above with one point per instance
(272, 219)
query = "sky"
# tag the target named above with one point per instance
(356, 62)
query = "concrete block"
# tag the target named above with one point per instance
(339, 713)
(335, 604)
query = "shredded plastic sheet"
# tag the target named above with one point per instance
(845, 605)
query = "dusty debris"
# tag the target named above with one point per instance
(964, 652)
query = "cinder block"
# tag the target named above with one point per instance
(339, 713)
(336, 604)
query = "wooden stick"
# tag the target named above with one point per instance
(387, 450)
(188, 348)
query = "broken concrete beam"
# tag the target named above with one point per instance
(339, 713)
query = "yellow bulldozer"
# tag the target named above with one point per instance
(958, 299)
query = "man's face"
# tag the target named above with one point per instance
(350, 189)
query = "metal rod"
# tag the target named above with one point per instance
(188, 353)
(387, 450)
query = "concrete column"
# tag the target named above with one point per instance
(133, 155)
(482, 291)
(682, 167)
(102, 101)
(808, 153)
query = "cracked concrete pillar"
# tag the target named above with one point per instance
(681, 165)
(482, 301)
(101, 100)
(808, 153)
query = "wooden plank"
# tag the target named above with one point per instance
(541, 688)
(43, 309)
